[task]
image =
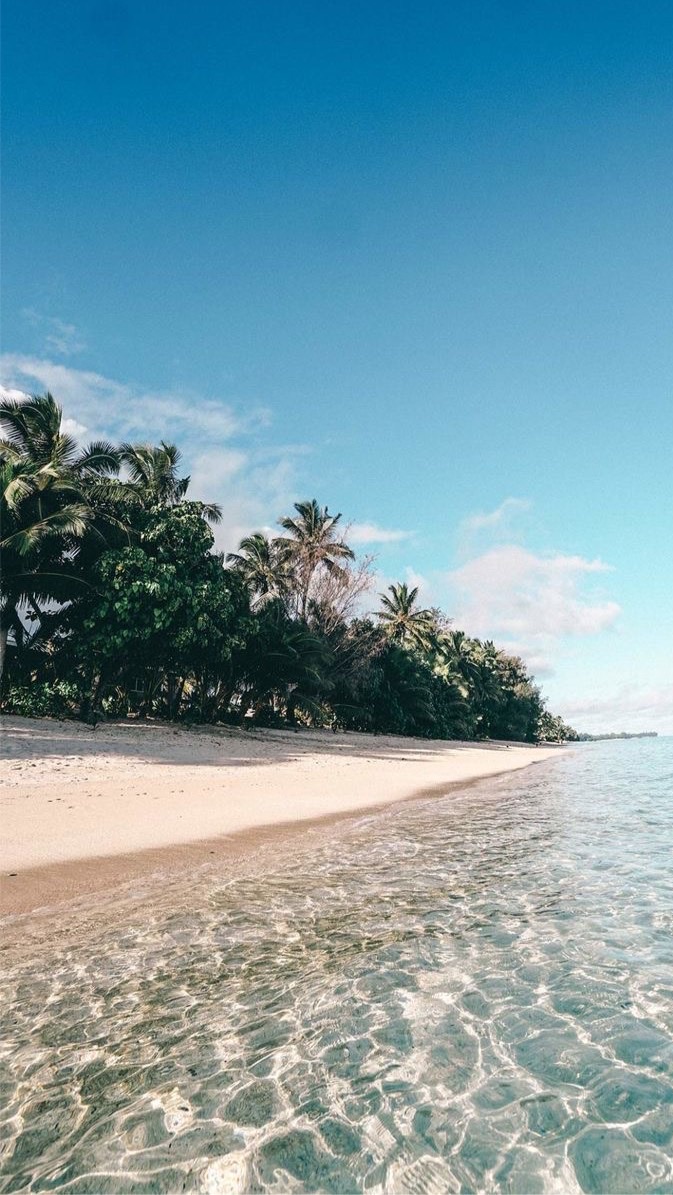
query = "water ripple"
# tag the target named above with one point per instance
(470, 993)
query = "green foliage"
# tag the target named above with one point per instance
(166, 605)
(552, 729)
(113, 601)
(404, 622)
(59, 699)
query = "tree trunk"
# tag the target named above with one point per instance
(4, 631)
(176, 700)
(89, 703)
(170, 694)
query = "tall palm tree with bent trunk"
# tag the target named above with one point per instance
(312, 543)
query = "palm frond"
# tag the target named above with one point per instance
(70, 520)
(99, 457)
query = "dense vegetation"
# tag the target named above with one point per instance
(114, 602)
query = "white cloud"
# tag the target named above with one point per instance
(72, 428)
(630, 708)
(252, 489)
(497, 520)
(11, 394)
(371, 533)
(531, 602)
(417, 581)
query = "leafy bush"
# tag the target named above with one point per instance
(57, 700)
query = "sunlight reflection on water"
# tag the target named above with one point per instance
(459, 994)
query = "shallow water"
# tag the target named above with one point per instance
(464, 993)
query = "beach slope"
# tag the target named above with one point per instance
(70, 793)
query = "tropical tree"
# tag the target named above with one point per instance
(33, 428)
(400, 696)
(263, 566)
(402, 619)
(154, 476)
(462, 655)
(312, 544)
(162, 611)
(42, 517)
(284, 664)
(45, 512)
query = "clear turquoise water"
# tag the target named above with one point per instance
(464, 993)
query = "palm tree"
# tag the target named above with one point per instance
(312, 543)
(48, 511)
(403, 621)
(263, 567)
(153, 474)
(488, 688)
(43, 515)
(282, 660)
(33, 428)
(461, 652)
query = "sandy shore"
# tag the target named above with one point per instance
(75, 802)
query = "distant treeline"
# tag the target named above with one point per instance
(598, 738)
(113, 602)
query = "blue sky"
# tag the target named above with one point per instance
(413, 259)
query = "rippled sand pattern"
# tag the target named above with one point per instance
(461, 994)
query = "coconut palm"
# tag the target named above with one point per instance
(312, 543)
(43, 515)
(263, 566)
(47, 483)
(282, 660)
(154, 475)
(461, 652)
(403, 621)
(33, 428)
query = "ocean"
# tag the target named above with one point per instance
(460, 993)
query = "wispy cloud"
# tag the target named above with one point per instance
(59, 337)
(498, 520)
(531, 601)
(371, 533)
(506, 524)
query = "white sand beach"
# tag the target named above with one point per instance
(71, 794)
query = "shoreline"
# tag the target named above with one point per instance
(84, 810)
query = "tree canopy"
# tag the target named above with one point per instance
(114, 601)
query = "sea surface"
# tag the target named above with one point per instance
(464, 992)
